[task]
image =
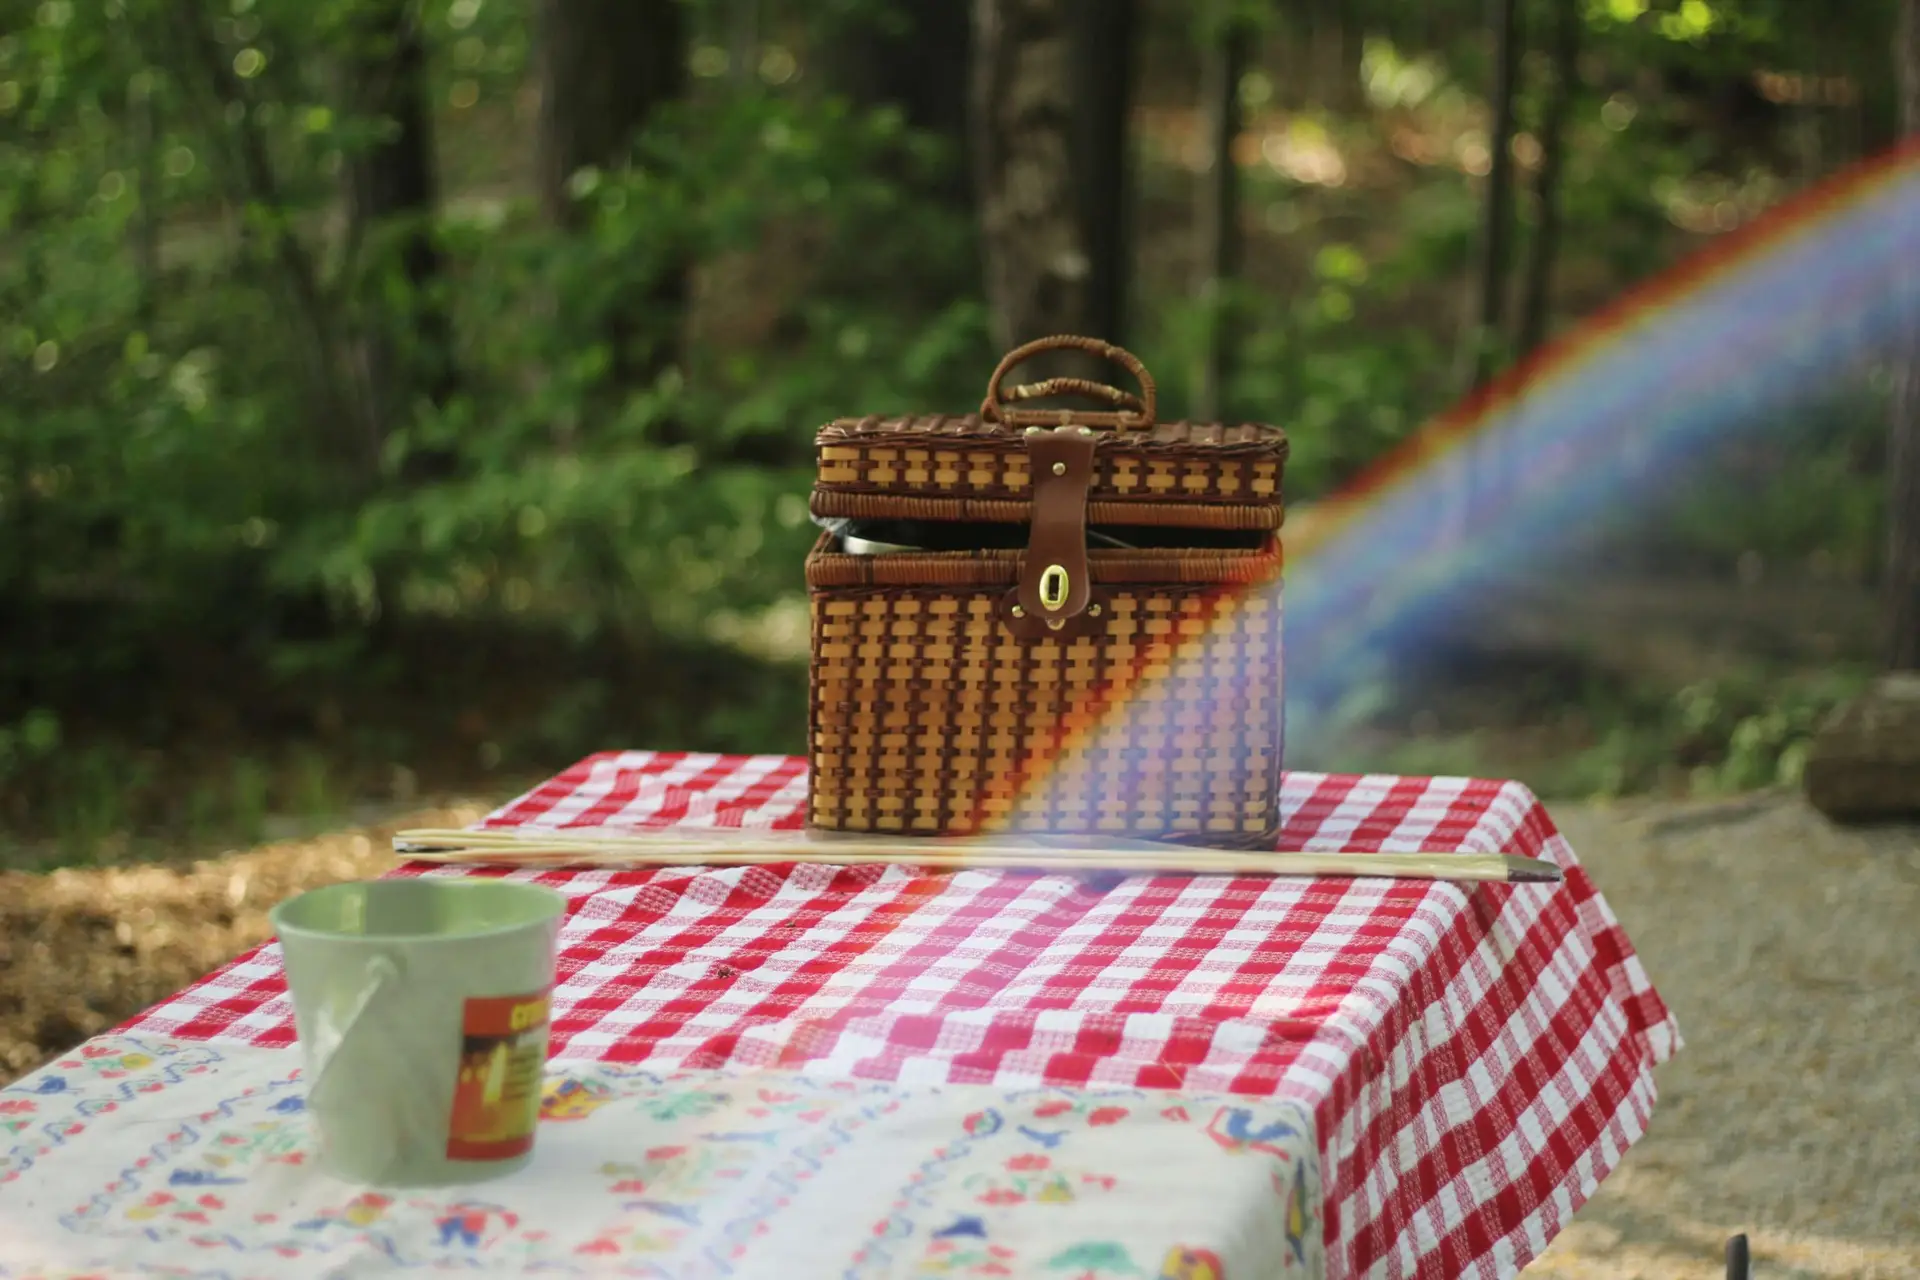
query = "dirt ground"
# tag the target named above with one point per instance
(1788, 950)
(1790, 954)
(82, 950)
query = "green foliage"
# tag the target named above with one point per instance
(571, 493)
(1811, 489)
(1753, 733)
(1317, 363)
(192, 457)
(35, 737)
(1730, 733)
(186, 457)
(1712, 737)
(604, 503)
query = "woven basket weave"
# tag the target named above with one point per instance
(1058, 688)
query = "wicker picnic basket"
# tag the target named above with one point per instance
(991, 589)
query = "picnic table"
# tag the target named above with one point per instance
(808, 1071)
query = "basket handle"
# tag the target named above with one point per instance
(1129, 410)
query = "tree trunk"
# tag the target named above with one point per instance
(743, 41)
(1036, 257)
(1536, 300)
(1903, 436)
(1864, 764)
(1104, 50)
(392, 196)
(1335, 52)
(1497, 221)
(24, 615)
(1219, 230)
(145, 228)
(226, 112)
(1050, 96)
(914, 57)
(604, 67)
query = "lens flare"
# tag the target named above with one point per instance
(1767, 319)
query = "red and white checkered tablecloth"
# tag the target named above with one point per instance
(1476, 1059)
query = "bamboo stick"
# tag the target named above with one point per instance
(584, 847)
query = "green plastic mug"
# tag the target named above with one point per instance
(422, 1008)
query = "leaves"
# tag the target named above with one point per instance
(171, 448)
(166, 439)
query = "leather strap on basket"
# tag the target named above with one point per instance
(1056, 584)
(1129, 411)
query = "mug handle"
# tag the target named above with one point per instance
(381, 972)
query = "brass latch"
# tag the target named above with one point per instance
(1055, 583)
(1053, 588)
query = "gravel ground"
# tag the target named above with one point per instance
(1788, 949)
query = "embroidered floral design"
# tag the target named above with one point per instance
(1300, 1216)
(959, 1256)
(982, 1124)
(1094, 1258)
(684, 1106)
(467, 1223)
(1033, 1178)
(1185, 1262)
(730, 1161)
(1235, 1129)
(569, 1099)
(362, 1211)
(1006, 1169)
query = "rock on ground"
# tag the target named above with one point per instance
(1865, 761)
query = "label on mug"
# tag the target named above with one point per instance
(503, 1055)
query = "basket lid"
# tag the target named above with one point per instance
(977, 467)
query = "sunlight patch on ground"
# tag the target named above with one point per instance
(84, 948)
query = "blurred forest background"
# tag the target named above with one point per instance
(399, 395)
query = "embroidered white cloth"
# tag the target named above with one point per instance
(150, 1156)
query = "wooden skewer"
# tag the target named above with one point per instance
(582, 847)
(763, 837)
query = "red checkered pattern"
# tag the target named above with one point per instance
(1477, 1060)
